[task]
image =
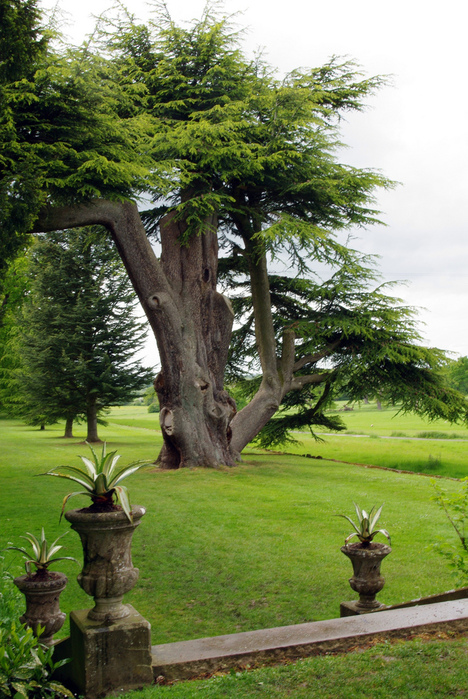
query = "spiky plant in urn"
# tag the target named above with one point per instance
(106, 528)
(366, 558)
(42, 587)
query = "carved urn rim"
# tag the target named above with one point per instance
(86, 515)
(375, 550)
(53, 581)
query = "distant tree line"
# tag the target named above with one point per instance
(457, 374)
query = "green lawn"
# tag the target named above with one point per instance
(229, 550)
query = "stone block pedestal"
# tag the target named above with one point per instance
(354, 608)
(109, 657)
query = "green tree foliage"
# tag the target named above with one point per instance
(457, 372)
(233, 140)
(22, 39)
(230, 157)
(352, 338)
(23, 44)
(76, 333)
(67, 130)
(14, 288)
(455, 508)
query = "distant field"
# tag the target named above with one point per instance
(384, 438)
(134, 416)
(367, 419)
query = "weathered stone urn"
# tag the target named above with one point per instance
(108, 571)
(367, 580)
(42, 592)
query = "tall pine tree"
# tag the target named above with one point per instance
(76, 333)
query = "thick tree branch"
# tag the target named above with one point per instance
(250, 420)
(160, 303)
(300, 381)
(95, 212)
(314, 358)
(264, 329)
(287, 355)
(124, 223)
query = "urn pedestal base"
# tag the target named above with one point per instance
(354, 608)
(108, 658)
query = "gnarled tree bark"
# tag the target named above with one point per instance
(191, 321)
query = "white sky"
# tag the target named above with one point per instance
(414, 131)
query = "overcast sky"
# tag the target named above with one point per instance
(413, 131)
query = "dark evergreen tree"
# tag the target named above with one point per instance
(14, 287)
(76, 334)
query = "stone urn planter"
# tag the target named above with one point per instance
(367, 580)
(42, 591)
(108, 571)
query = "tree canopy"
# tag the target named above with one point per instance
(237, 167)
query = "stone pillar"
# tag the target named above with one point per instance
(109, 657)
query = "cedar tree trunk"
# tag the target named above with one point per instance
(191, 321)
(195, 410)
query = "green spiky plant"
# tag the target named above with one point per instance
(42, 553)
(100, 479)
(365, 529)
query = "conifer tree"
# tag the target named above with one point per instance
(76, 334)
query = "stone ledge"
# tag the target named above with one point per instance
(187, 659)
